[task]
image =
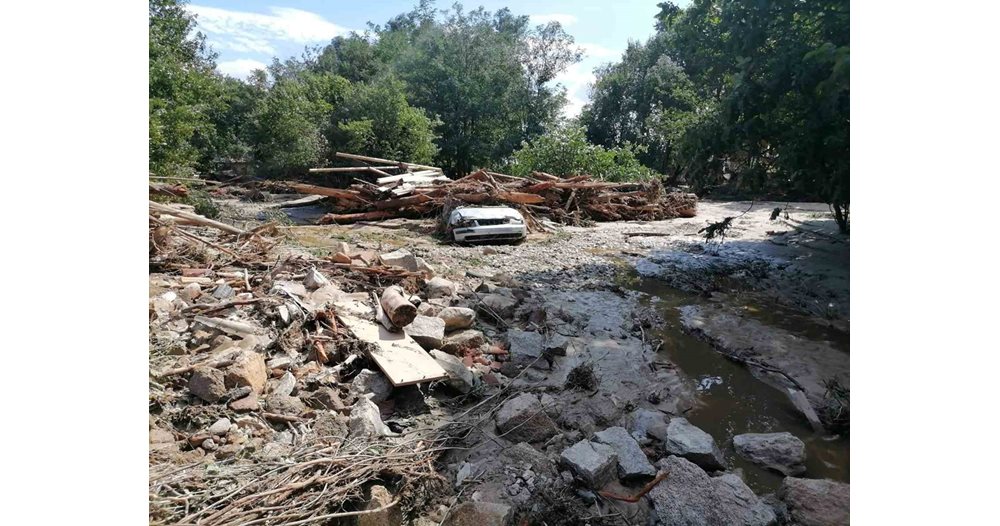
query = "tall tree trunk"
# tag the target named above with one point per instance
(842, 213)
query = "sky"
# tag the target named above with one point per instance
(247, 34)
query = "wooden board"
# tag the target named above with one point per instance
(401, 358)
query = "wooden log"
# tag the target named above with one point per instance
(350, 218)
(341, 169)
(328, 192)
(197, 219)
(521, 197)
(403, 201)
(538, 187)
(399, 311)
(542, 176)
(386, 161)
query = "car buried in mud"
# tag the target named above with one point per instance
(468, 224)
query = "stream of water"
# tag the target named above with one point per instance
(732, 401)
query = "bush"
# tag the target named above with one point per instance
(565, 151)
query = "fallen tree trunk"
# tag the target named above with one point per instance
(386, 161)
(328, 192)
(362, 216)
(195, 218)
(396, 307)
(339, 169)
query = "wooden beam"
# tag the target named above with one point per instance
(386, 161)
(195, 218)
(339, 169)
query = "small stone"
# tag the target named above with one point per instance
(632, 462)
(781, 452)
(526, 348)
(208, 384)
(328, 398)
(460, 377)
(209, 445)
(366, 421)
(223, 291)
(427, 331)
(457, 318)
(690, 442)
(460, 340)
(428, 309)
(593, 462)
(247, 403)
(464, 472)
(645, 423)
(286, 385)
(380, 498)
(160, 436)
(523, 419)
(489, 251)
(373, 382)
(426, 268)
(400, 258)
(191, 291)
(439, 287)
(315, 279)
(220, 427)
(285, 405)
(248, 369)
(556, 344)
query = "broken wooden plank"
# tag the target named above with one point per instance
(521, 198)
(302, 201)
(324, 191)
(200, 220)
(341, 169)
(401, 358)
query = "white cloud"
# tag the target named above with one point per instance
(577, 79)
(597, 50)
(240, 68)
(563, 19)
(244, 31)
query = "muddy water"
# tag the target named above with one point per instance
(733, 401)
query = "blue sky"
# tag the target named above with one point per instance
(246, 34)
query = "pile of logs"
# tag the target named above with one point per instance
(419, 191)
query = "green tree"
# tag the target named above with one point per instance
(565, 151)
(182, 88)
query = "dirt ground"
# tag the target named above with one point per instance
(774, 292)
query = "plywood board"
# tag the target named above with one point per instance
(401, 358)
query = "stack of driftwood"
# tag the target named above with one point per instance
(420, 190)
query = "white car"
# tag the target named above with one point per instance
(486, 223)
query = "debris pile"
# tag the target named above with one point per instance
(424, 192)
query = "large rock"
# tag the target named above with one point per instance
(366, 421)
(285, 404)
(523, 419)
(689, 497)
(686, 440)
(526, 348)
(459, 376)
(427, 331)
(645, 424)
(478, 514)
(592, 462)
(372, 382)
(817, 502)
(460, 340)
(439, 287)
(500, 304)
(208, 384)
(248, 369)
(632, 462)
(457, 318)
(782, 452)
(400, 258)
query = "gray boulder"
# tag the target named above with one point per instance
(457, 318)
(782, 452)
(526, 347)
(208, 384)
(556, 344)
(373, 382)
(473, 513)
(632, 462)
(523, 419)
(428, 331)
(689, 497)
(459, 376)
(817, 502)
(645, 424)
(686, 440)
(464, 339)
(592, 462)
(365, 420)
(500, 304)
(439, 287)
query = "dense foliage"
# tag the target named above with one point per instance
(565, 151)
(751, 95)
(459, 89)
